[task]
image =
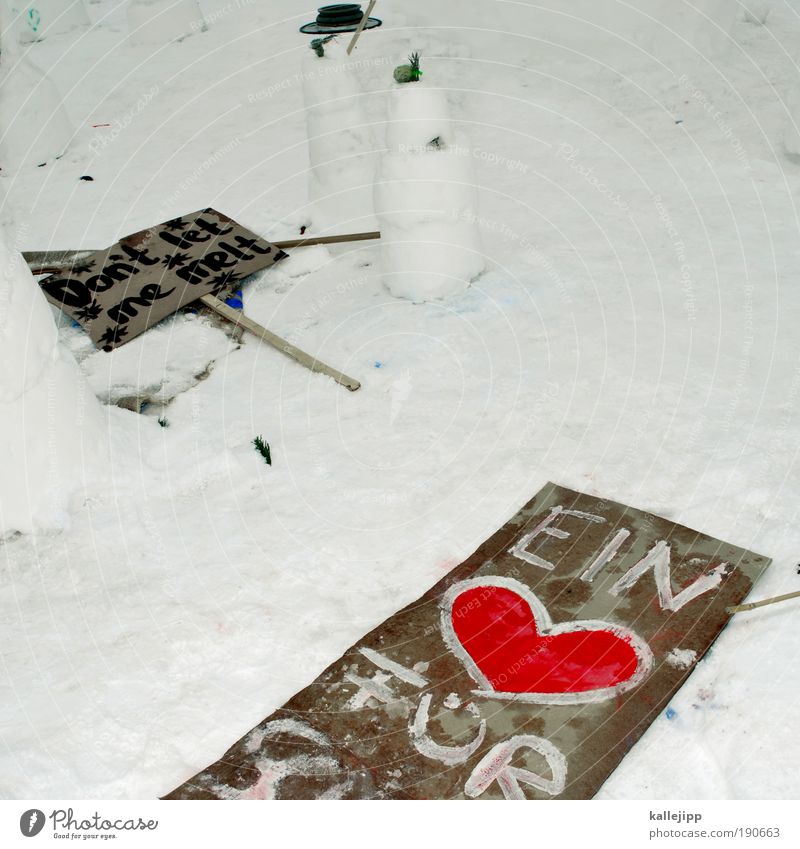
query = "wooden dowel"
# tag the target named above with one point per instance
(237, 318)
(51, 262)
(752, 605)
(361, 24)
(327, 240)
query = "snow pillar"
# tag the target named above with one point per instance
(341, 144)
(426, 199)
(51, 425)
(32, 21)
(34, 126)
(161, 21)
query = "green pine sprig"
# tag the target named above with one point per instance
(263, 449)
(413, 61)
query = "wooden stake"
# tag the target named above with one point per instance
(741, 608)
(51, 262)
(361, 24)
(327, 240)
(238, 319)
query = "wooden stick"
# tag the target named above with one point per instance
(51, 262)
(238, 319)
(327, 240)
(740, 608)
(361, 24)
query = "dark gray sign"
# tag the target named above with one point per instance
(118, 293)
(528, 672)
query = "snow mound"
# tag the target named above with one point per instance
(51, 428)
(45, 131)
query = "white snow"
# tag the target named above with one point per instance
(634, 336)
(51, 426)
(681, 658)
(34, 126)
(161, 21)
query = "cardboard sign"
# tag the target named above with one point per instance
(118, 293)
(528, 672)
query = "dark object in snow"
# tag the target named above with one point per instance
(236, 300)
(318, 44)
(409, 73)
(87, 178)
(163, 422)
(341, 17)
(263, 449)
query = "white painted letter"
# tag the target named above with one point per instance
(496, 766)
(658, 558)
(425, 745)
(519, 549)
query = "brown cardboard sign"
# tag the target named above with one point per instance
(118, 293)
(528, 672)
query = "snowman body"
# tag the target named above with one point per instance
(426, 199)
(34, 126)
(341, 144)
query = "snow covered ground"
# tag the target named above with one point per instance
(635, 336)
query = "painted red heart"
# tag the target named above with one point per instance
(504, 636)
